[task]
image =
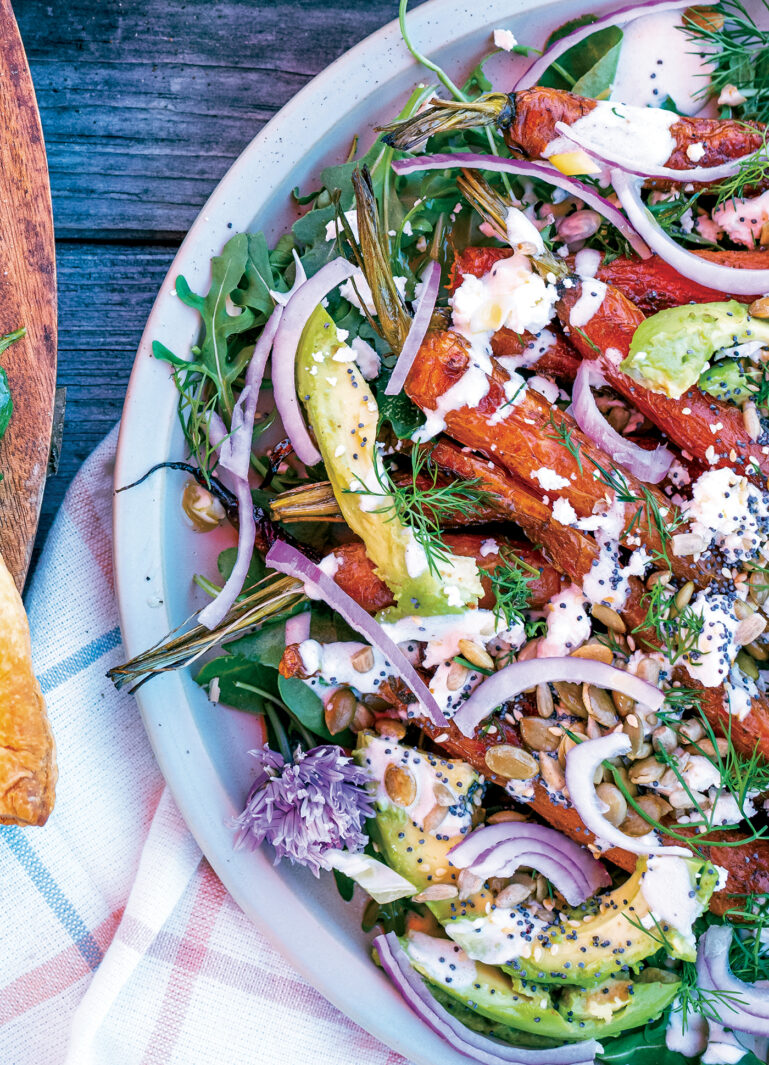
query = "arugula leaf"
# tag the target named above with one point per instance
(404, 416)
(258, 280)
(227, 271)
(265, 646)
(6, 402)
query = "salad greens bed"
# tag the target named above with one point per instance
(422, 218)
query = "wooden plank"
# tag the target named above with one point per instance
(27, 297)
(145, 105)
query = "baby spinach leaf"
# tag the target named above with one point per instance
(589, 67)
(231, 669)
(404, 416)
(307, 707)
(344, 885)
(265, 646)
(256, 570)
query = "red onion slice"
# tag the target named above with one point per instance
(213, 614)
(744, 1007)
(712, 275)
(295, 316)
(419, 326)
(503, 686)
(287, 559)
(527, 168)
(614, 18)
(476, 1047)
(700, 174)
(499, 850)
(581, 764)
(648, 466)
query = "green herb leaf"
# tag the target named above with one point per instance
(344, 885)
(307, 707)
(6, 402)
(232, 670)
(256, 570)
(589, 67)
(259, 279)
(404, 416)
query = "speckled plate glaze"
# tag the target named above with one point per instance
(202, 750)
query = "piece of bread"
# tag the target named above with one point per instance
(27, 751)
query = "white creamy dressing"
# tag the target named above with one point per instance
(442, 632)
(588, 303)
(568, 623)
(531, 354)
(587, 261)
(499, 937)
(332, 664)
(382, 752)
(726, 509)
(711, 662)
(667, 886)
(690, 1041)
(606, 580)
(366, 357)
(743, 220)
(741, 690)
(547, 388)
(637, 135)
(441, 960)
(450, 698)
(655, 55)
(468, 391)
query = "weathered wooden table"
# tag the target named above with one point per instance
(144, 105)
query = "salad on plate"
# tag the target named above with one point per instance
(491, 426)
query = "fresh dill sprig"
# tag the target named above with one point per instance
(676, 631)
(511, 584)
(749, 958)
(752, 173)
(562, 434)
(425, 505)
(740, 56)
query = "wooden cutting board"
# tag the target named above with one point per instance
(27, 297)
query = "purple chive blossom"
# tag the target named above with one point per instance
(316, 803)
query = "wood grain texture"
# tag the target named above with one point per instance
(28, 298)
(144, 107)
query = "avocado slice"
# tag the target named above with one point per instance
(729, 381)
(343, 413)
(602, 939)
(571, 1014)
(671, 349)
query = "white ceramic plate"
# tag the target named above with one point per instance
(201, 749)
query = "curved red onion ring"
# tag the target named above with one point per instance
(212, 615)
(504, 685)
(476, 1047)
(419, 326)
(581, 764)
(648, 466)
(287, 559)
(614, 18)
(295, 315)
(711, 275)
(499, 850)
(699, 174)
(744, 1007)
(527, 168)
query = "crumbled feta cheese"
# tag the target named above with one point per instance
(568, 624)
(504, 39)
(563, 512)
(549, 479)
(696, 151)
(730, 512)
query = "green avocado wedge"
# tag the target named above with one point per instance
(569, 1015)
(672, 348)
(344, 416)
(603, 939)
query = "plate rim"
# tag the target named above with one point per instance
(142, 609)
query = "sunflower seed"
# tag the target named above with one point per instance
(437, 893)
(475, 654)
(608, 617)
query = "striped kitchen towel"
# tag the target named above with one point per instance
(118, 944)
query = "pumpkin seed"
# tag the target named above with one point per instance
(551, 771)
(545, 704)
(363, 660)
(634, 730)
(479, 656)
(664, 739)
(512, 895)
(597, 652)
(536, 734)
(542, 890)
(758, 651)
(566, 745)
(437, 893)
(456, 677)
(340, 709)
(600, 705)
(624, 704)
(505, 815)
(683, 596)
(648, 669)
(742, 610)
(660, 576)
(529, 650)
(622, 773)
(759, 308)
(759, 586)
(691, 730)
(706, 747)
(615, 800)
(646, 772)
(393, 730)
(748, 665)
(511, 762)
(400, 784)
(570, 696)
(654, 806)
(750, 629)
(434, 818)
(608, 617)
(363, 718)
(643, 751)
